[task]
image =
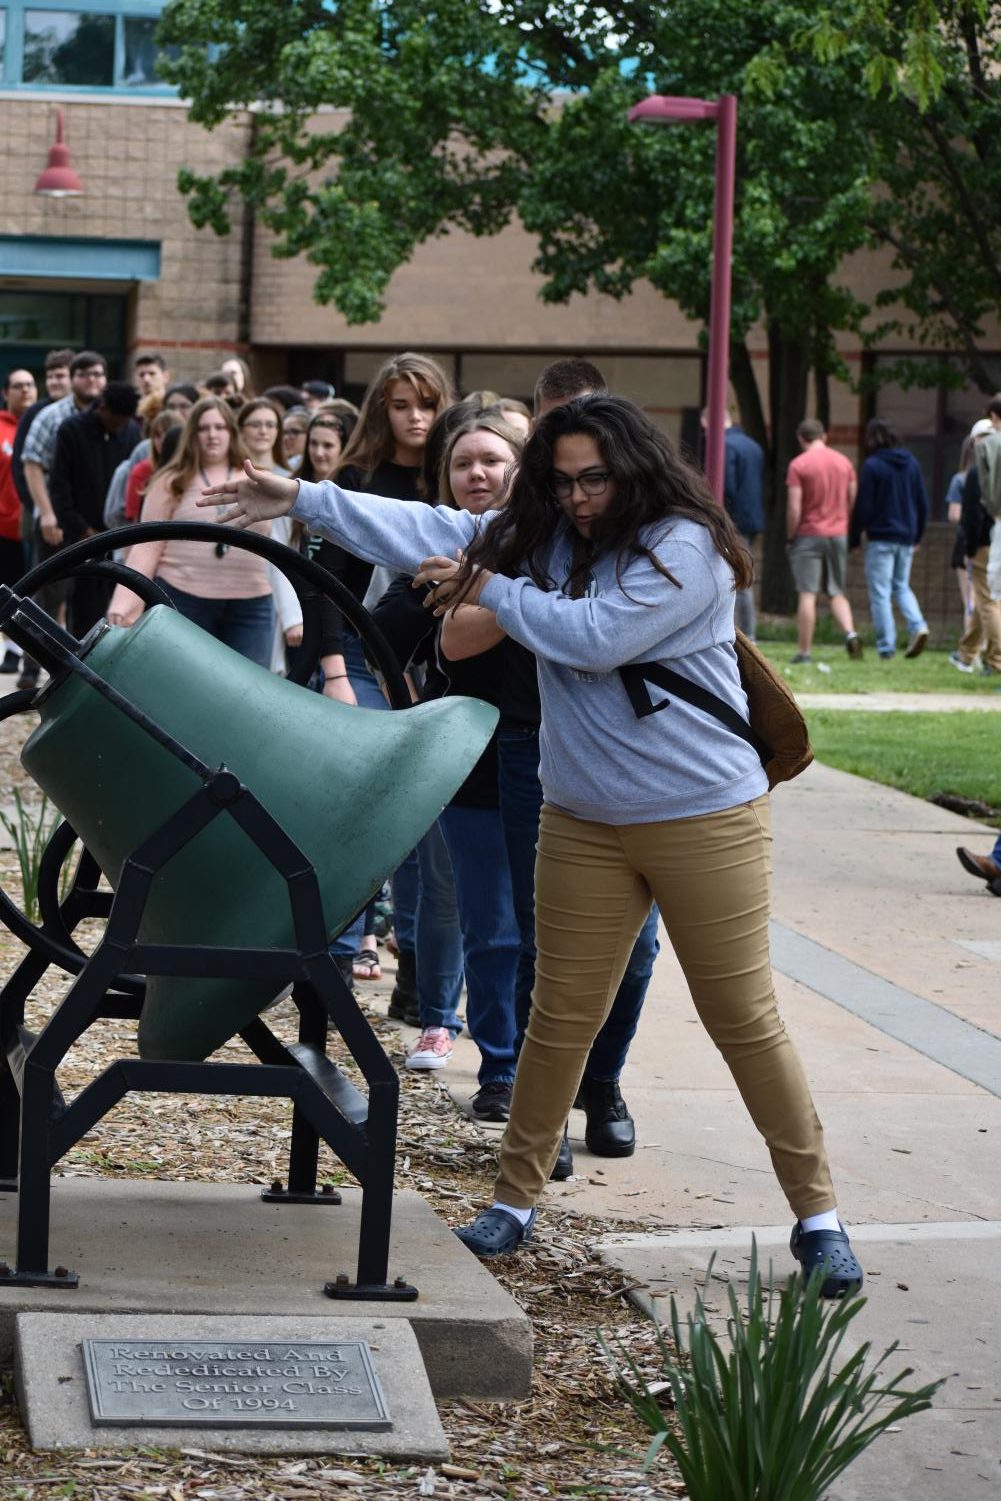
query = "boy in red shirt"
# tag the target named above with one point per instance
(820, 491)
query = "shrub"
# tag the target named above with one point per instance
(767, 1412)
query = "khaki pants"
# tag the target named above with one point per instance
(983, 633)
(710, 876)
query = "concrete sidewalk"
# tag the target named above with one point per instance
(888, 970)
(909, 703)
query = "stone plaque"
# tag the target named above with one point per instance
(234, 1383)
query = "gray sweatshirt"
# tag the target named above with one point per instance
(598, 760)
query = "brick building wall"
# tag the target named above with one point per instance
(127, 153)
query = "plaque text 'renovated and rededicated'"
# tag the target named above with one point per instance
(234, 1384)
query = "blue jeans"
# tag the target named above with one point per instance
(437, 936)
(370, 696)
(887, 574)
(996, 851)
(247, 625)
(367, 690)
(475, 840)
(521, 803)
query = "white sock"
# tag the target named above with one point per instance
(826, 1221)
(521, 1215)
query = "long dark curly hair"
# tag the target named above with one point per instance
(653, 487)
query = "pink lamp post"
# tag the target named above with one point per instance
(666, 109)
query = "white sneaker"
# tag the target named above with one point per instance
(432, 1050)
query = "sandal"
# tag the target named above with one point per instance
(365, 965)
(494, 1232)
(828, 1251)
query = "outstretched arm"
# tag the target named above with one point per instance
(258, 496)
(397, 533)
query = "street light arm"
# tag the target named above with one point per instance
(665, 107)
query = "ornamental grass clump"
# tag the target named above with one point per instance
(31, 829)
(773, 1409)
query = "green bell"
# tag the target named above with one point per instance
(354, 788)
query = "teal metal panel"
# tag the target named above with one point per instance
(89, 260)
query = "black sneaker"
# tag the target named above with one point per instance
(853, 646)
(403, 1003)
(28, 678)
(492, 1102)
(11, 662)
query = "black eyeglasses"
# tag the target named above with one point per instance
(592, 483)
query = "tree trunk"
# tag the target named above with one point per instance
(822, 382)
(788, 369)
(745, 386)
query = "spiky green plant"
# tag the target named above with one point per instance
(768, 1411)
(31, 829)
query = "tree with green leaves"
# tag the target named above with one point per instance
(428, 97)
(375, 127)
(932, 72)
(452, 121)
(613, 203)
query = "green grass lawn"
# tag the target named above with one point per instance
(929, 673)
(922, 753)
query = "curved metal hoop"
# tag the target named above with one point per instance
(299, 570)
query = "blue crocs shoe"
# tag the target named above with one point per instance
(494, 1232)
(831, 1252)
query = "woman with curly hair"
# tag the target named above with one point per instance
(609, 561)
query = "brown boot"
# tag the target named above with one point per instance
(981, 866)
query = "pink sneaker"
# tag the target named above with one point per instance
(433, 1049)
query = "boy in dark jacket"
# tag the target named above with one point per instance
(891, 512)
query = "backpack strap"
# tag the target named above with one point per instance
(636, 675)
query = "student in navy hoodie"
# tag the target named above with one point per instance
(890, 512)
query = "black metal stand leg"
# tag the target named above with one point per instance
(32, 1269)
(12, 999)
(377, 1195)
(376, 1208)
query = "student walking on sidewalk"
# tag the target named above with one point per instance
(891, 512)
(610, 552)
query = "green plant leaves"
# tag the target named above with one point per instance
(772, 1410)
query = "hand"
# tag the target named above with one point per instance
(293, 636)
(52, 532)
(445, 594)
(118, 617)
(259, 496)
(340, 689)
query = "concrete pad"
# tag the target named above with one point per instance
(52, 1386)
(206, 1249)
(930, 1287)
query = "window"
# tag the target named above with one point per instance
(31, 323)
(84, 44)
(63, 46)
